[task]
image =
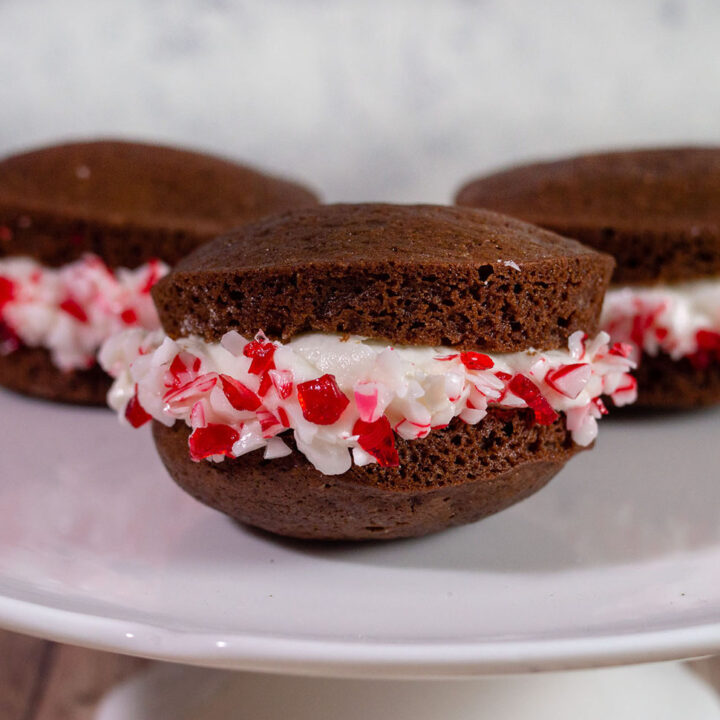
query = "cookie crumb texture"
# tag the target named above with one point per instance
(453, 477)
(656, 211)
(676, 384)
(128, 202)
(414, 275)
(31, 371)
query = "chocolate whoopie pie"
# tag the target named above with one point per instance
(85, 231)
(658, 212)
(372, 371)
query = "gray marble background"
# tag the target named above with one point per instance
(370, 99)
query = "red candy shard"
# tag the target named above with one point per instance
(377, 439)
(7, 291)
(178, 371)
(321, 400)
(129, 316)
(476, 361)
(708, 351)
(73, 308)
(213, 439)
(283, 382)
(261, 352)
(135, 413)
(708, 340)
(182, 369)
(284, 419)
(239, 396)
(528, 391)
(569, 380)
(265, 384)
(503, 376)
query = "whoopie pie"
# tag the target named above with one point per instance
(372, 371)
(86, 229)
(658, 213)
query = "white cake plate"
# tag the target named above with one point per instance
(616, 561)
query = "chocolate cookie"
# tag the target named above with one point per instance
(658, 213)
(126, 205)
(430, 366)
(416, 275)
(449, 478)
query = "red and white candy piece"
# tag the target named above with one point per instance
(569, 380)
(627, 393)
(371, 399)
(8, 291)
(191, 391)
(282, 381)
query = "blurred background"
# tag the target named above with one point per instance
(383, 99)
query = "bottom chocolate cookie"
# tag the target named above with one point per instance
(30, 371)
(676, 384)
(452, 477)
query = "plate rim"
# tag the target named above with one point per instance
(333, 658)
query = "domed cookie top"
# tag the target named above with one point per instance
(128, 202)
(417, 275)
(657, 211)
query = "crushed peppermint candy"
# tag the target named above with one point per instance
(72, 310)
(347, 399)
(679, 320)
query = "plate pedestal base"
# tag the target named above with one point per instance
(661, 692)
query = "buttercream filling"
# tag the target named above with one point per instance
(71, 310)
(345, 399)
(679, 320)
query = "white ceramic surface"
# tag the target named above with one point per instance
(666, 691)
(617, 560)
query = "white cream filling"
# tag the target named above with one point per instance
(418, 389)
(662, 318)
(71, 310)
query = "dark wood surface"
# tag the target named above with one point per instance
(42, 680)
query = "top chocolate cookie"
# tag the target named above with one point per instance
(416, 275)
(128, 202)
(657, 211)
